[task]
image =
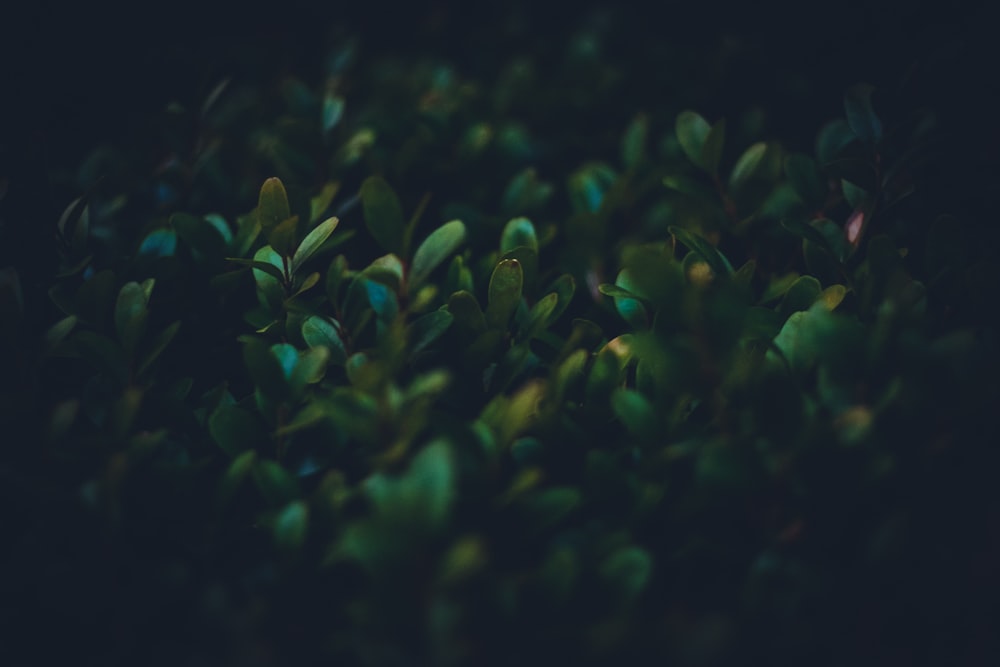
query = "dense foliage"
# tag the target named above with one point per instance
(408, 367)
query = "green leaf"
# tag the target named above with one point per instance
(200, 235)
(832, 140)
(291, 526)
(95, 299)
(704, 249)
(130, 315)
(387, 269)
(275, 483)
(634, 142)
(504, 292)
(383, 215)
(317, 331)
(156, 347)
(284, 237)
(860, 114)
(265, 370)
(692, 133)
(319, 204)
(382, 300)
(422, 497)
(800, 296)
(807, 180)
(565, 287)
(426, 329)
(310, 367)
(272, 205)
(313, 240)
(636, 413)
(539, 316)
(616, 291)
(441, 244)
(158, 243)
(518, 232)
(233, 478)
(266, 267)
(747, 165)
(104, 353)
(465, 309)
(712, 151)
(629, 570)
(856, 196)
(234, 429)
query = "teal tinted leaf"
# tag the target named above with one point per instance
(539, 316)
(747, 165)
(284, 237)
(466, 311)
(291, 526)
(287, 357)
(860, 114)
(333, 111)
(383, 215)
(276, 484)
(442, 243)
(103, 353)
(807, 180)
(382, 300)
(272, 205)
(319, 331)
(636, 413)
(629, 305)
(589, 185)
(714, 143)
(265, 370)
(504, 292)
(156, 347)
(234, 429)
(130, 315)
(704, 249)
(219, 224)
(634, 142)
(692, 133)
(518, 232)
(832, 140)
(313, 240)
(159, 243)
(426, 329)
(629, 570)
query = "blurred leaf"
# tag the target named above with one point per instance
(800, 295)
(832, 140)
(233, 478)
(466, 310)
(428, 328)
(130, 316)
(272, 205)
(504, 292)
(158, 243)
(234, 429)
(105, 354)
(712, 151)
(628, 570)
(284, 237)
(291, 526)
(310, 367)
(518, 232)
(565, 287)
(423, 495)
(313, 240)
(633, 148)
(539, 316)
(265, 369)
(276, 484)
(692, 133)
(442, 243)
(156, 347)
(267, 267)
(383, 215)
(636, 413)
(202, 237)
(806, 178)
(747, 165)
(860, 114)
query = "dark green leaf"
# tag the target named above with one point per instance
(234, 429)
(313, 240)
(634, 142)
(636, 413)
(200, 235)
(747, 165)
(442, 243)
(105, 354)
(284, 237)
(565, 287)
(807, 179)
(265, 369)
(712, 151)
(466, 311)
(832, 140)
(539, 316)
(310, 367)
(704, 249)
(629, 570)
(291, 526)
(318, 331)
(272, 205)
(800, 296)
(383, 215)
(266, 267)
(130, 315)
(426, 329)
(504, 292)
(156, 347)
(692, 133)
(275, 483)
